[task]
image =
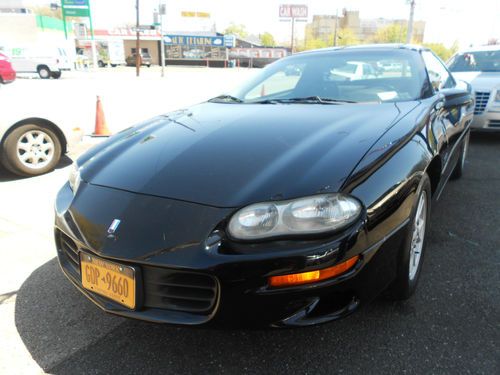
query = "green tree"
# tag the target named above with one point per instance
(310, 42)
(345, 37)
(442, 51)
(393, 33)
(237, 30)
(267, 40)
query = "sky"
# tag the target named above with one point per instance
(468, 22)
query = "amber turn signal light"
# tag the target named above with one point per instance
(313, 276)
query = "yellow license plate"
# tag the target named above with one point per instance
(109, 279)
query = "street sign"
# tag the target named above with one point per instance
(293, 11)
(76, 12)
(73, 3)
(79, 8)
(229, 41)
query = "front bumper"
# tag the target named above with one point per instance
(8, 76)
(237, 274)
(488, 120)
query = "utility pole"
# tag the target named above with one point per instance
(335, 29)
(162, 10)
(137, 41)
(92, 42)
(293, 34)
(409, 32)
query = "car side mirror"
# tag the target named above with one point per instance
(456, 97)
(464, 85)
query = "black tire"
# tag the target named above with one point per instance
(56, 75)
(459, 168)
(101, 64)
(44, 72)
(9, 151)
(113, 65)
(404, 285)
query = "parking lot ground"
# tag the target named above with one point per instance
(450, 326)
(126, 99)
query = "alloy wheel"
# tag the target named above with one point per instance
(418, 235)
(35, 149)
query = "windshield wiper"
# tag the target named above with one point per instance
(225, 99)
(307, 99)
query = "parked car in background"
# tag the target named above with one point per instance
(46, 61)
(145, 59)
(110, 53)
(292, 205)
(481, 68)
(7, 73)
(354, 70)
(34, 137)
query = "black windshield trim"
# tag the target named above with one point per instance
(305, 100)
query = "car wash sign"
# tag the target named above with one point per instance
(293, 11)
(194, 40)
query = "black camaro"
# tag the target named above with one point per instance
(291, 201)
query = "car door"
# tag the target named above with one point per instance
(451, 112)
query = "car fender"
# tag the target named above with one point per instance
(387, 178)
(69, 131)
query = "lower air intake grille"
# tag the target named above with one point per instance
(180, 291)
(69, 249)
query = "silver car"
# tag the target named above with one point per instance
(35, 132)
(480, 67)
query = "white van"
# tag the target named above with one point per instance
(46, 61)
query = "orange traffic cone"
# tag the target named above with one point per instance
(101, 128)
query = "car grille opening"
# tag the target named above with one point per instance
(70, 250)
(482, 98)
(179, 291)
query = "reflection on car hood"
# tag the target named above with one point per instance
(229, 155)
(480, 80)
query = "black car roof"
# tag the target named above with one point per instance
(368, 47)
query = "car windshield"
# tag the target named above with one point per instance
(340, 76)
(481, 61)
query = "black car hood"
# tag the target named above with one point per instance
(229, 155)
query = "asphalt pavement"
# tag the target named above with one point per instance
(450, 326)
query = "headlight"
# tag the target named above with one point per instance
(74, 177)
(497, 96)
(309, 215)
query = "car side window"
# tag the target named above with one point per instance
(439, 76)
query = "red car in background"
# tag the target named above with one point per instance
(7, 73)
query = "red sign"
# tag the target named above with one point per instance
(263, 53)
(293, 11)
